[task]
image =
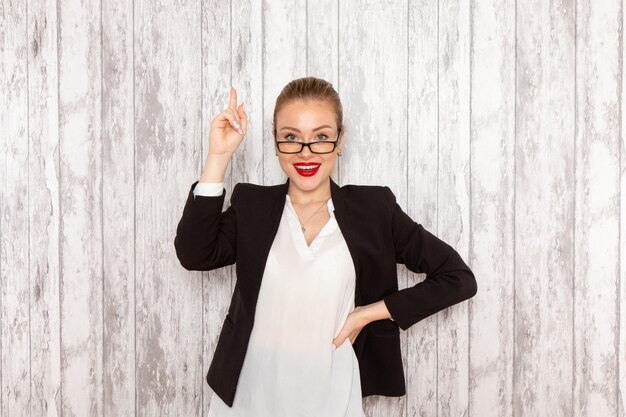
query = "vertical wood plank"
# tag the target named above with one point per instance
(81, 212)
(369, 71)
(544, 204)
(118, 199)
(216, 82)
(492, 133)
(322, 47)
(322, 50)
(621, 327)
(246, 66)
(420, 355)
(373, 80)
(44, 209)
(284, 59)
(596, 262)
(14, 203)
(169, 374)
(453, 205)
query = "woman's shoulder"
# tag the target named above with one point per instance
(366, 189)
(369, 196)
(257, 192)
(252, 187)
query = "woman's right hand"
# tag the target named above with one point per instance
(228, 128)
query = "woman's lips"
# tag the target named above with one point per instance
(307, 169)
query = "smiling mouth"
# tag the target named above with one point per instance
(307, 169)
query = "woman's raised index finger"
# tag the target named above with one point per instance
(233, 98)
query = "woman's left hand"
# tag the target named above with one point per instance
(352, 327)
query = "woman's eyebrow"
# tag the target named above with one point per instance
(298, 130)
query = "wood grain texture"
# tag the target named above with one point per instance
(14, 203)
(544, 209)
(217, 61)
(169, 371)
(80, 190)
(246, 68)
(596, 224)
(492, 159)
(621, 327)
(44, 209)
(375, 114)
(420, 340)
(118, 208)
(498, 126)
(453, 205)
(322, 51)
(284, 59)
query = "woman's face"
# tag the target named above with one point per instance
(307, 121)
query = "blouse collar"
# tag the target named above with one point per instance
(329, 204)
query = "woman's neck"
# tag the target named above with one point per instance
(304, 197)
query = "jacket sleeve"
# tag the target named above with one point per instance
(448, 279)
(206, 236)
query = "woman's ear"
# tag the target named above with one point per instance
(341, 140)
(274, 136)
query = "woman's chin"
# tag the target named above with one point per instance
(307, 183)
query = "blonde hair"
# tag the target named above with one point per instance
(309, 88)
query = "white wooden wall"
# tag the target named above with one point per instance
(497, 124)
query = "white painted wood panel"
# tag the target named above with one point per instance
(420, 340)
(453, 194)
(620, 328)
(284, 58)
(14, 200)
(322, 48)
(44, 209)
(596, 224)
(246, 74)
(168, 88)
(118, 207)
(492, 171)
(80, 191)
(544, 210)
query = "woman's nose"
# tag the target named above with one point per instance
(306, 151)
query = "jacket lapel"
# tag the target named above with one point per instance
(265, 218)
(342, 215)
(347, 225)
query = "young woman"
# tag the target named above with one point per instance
(313, 324)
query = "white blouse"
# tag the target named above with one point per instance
(290, 368)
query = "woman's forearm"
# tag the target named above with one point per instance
(375, 311)
(215, 168)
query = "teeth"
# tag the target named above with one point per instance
(306, 168)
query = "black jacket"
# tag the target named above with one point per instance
(378, 234)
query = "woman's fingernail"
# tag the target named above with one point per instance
(334, 347)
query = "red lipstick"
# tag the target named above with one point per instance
(307, 169)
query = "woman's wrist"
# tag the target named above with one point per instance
(374, 311)
(215, 168)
